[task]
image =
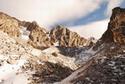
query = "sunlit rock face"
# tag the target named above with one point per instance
(12, 26)
(67, 38)
(38, 36)
(116, 27)
(9, 25)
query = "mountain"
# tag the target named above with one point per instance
(107, 64)
(29, 54)
(116, 27)
(9, 25)
(38, 36)
(67, 38)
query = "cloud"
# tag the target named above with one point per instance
(95, 29)
(112, 4)
(48, 12)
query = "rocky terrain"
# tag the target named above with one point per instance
(9, 25)
(106, 66)
(39, 37)
(29, 54)
(66, 38)
(17, 60)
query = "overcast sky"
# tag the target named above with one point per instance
(87, 17)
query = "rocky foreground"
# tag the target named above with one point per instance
(29, 54)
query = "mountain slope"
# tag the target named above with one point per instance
(108, 64)
(72, 62)
(38, 36)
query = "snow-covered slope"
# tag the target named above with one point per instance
(19, 62)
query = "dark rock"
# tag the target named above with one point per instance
(50, 73)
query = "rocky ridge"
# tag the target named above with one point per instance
(39, 37)
(115, 32)
(67, 38)
(9, 25)
(31, 64)
(106, 66)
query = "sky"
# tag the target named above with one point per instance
(89, 18)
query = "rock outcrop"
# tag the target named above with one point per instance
(116, 27)
(28, 65)
(66, 38)
(115, 32)
(9, 25)
(38, 36)
(107, 65)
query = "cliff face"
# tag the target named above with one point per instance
(116, 27)
(66, 38)
(115, 32)
(9, 25)
(40, 37)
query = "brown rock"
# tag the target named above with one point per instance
(116, 28)
(9, 25)
(38, 36)
(66, 38)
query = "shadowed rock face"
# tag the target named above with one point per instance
(50, 73)
(66, 38)
(9, 25)
(116, 27)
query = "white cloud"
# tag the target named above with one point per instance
(95, 29)
(111, 5)
(48, 12)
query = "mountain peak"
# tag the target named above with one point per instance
(116, 27)
(67, 38)
(38, 36)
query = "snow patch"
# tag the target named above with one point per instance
(36, 52)
(8, 72)
(84, 56)
(56, 44)
(50, 50)
(24, 33)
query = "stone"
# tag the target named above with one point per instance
(38, 37)
(9, 25)
(116, 27)
(66, 38)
